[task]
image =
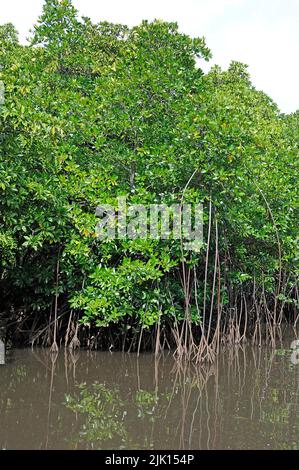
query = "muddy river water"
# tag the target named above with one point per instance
(248, 399)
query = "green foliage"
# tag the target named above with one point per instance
(95, 111)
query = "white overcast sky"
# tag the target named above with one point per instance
(261, 33)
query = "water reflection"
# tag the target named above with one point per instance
(248, 399)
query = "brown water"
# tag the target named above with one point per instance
(248, 400)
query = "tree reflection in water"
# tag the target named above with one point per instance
(224, 405)
(247, 399)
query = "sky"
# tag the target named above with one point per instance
(261, 33)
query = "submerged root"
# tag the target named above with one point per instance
(54, 348)
(75, 342)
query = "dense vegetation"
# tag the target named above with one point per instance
(95, 111)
